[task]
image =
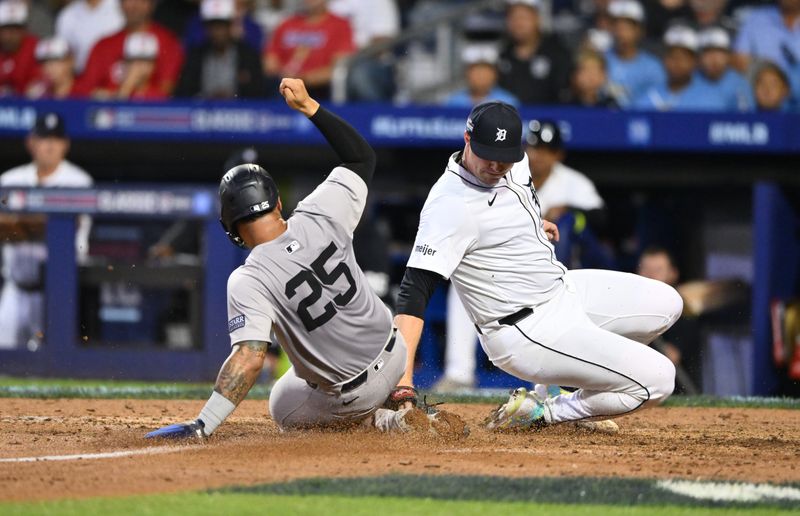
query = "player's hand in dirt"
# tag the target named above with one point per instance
(402, 397)
(180, 431)
(296, 95)
(551, 230)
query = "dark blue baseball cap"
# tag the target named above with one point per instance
(495, 130)
(49, 125)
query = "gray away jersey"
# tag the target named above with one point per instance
(306, 287)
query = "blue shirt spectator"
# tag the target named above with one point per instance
(480, 75)
(771, 88)
(694, 97)
(631, 70)
(773, 33)
(682, 91)
(631, 78)
(716, 73)
(732, 89)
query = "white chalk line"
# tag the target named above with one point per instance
(730, 491)
(104, 455)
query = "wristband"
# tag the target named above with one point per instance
(217, 409)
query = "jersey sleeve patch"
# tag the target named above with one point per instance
(236, 323)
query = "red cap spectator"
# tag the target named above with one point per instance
(307, 46)
(107, 70)
(56, 78)
(18, 65)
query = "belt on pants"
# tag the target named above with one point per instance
(359, 380)
(511, 320)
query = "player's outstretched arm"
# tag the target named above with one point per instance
(410, 327)
(238, 375)
(352, 149)
(416, 290)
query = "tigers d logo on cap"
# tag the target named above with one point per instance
(495, 130)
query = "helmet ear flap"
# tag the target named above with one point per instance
(233, 235)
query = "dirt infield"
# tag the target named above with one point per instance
(755, 445)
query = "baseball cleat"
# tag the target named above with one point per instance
(546, 391)
(606, 426)
(522, 410)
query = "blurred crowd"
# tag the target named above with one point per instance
(719, 55)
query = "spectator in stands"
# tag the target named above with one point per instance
(480, 72)
(681, 343)
(307, 46)
(56, 79)
(222, 68)
(105, 68)
(244, 28)
(631, 70)
(18, 65)
(683, 91)
(24, 254)
(82, 23)
(590, 81)
(373, 22)
(138, 71)
(716, 71)
(771, 88)
(534, 66)
(772, 33)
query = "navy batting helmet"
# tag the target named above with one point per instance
(245, 192)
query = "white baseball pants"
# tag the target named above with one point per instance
(590, 336)
(21, 316)
(294, 403)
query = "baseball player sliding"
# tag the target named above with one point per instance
(302, 284)
(482, 228)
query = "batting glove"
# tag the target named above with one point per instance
(190, 430)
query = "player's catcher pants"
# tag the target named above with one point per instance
(590, 336)
(294, 403)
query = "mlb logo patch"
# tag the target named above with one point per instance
(235, 323)
(294, 246)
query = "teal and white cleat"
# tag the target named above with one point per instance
(606, 426)
(523, 410)
(546, 391)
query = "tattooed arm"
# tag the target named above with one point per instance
(238, 375)
(241, 370)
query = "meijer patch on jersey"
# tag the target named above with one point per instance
(235, 323)
(425, 250)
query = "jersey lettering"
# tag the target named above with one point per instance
(313, 281)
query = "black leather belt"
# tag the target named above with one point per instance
(511, 320)
(360, 379)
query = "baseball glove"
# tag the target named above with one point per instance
(401, 395)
